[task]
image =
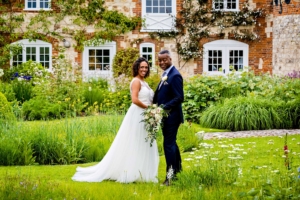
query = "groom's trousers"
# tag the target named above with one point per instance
(172, 153)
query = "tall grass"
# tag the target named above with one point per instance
(247, 113)
(67, 141)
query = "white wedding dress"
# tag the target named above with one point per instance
(130, 158)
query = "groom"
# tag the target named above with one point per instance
(169, 93)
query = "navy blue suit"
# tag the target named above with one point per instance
(170, 94)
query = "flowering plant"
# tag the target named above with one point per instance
(152, 119)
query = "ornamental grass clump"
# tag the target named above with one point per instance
(246, 113)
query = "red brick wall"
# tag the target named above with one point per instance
(287, 9)
(261, 48)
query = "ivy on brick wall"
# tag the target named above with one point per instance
(65, 19)
(197, 21)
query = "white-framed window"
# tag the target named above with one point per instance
(37, 4)
(147, 50)
(223, 56)
(158, 15)
(226, 5)
(38, 51)
(97, 60)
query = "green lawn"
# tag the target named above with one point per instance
(240, 168)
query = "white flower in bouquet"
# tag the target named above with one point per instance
(152, 119)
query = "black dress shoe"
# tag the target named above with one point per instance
(166, 183)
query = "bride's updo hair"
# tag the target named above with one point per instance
(136, 67)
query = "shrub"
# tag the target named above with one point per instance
(8, 91)
(204, 91)
(123, 61)
(22, 89)
(95, 92)
(40, 108)
(29, 70)
(246, 113)
(6, 114)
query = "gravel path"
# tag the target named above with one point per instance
(243, 134)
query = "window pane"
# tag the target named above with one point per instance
(162, 10)
(168, 2)
(162, 3)
(106, 67)
(91, 59)
(219, 53)
(47, 65)
(98, 67)
(168, 9)
(148, 10)
(106, 52)
(92, 52)
(148, 2)
(99, 52)
(99, 60)
(155, 9)
(155, 3)
(144, 49)
(106, 60)
(91, 67)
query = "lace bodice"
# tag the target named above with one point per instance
(146, 94)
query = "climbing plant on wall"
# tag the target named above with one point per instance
(65, 19)
(197, 20)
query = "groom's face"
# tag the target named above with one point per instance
(164, 61)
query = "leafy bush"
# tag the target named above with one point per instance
(95, 92)
(8, 91)
(22, 89)
(6, 113)
(246, 113)
(204, 91)
(40, 108)
(123, 61)
(29, 70)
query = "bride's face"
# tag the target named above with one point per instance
(143, 69)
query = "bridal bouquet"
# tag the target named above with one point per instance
(152, 119)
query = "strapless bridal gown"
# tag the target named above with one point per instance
(130, 158)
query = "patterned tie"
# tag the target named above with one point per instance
(161, 82)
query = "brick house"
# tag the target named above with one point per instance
(277, 51)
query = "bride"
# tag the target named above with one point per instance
(130, 158)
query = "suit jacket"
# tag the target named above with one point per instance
(170, 94)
